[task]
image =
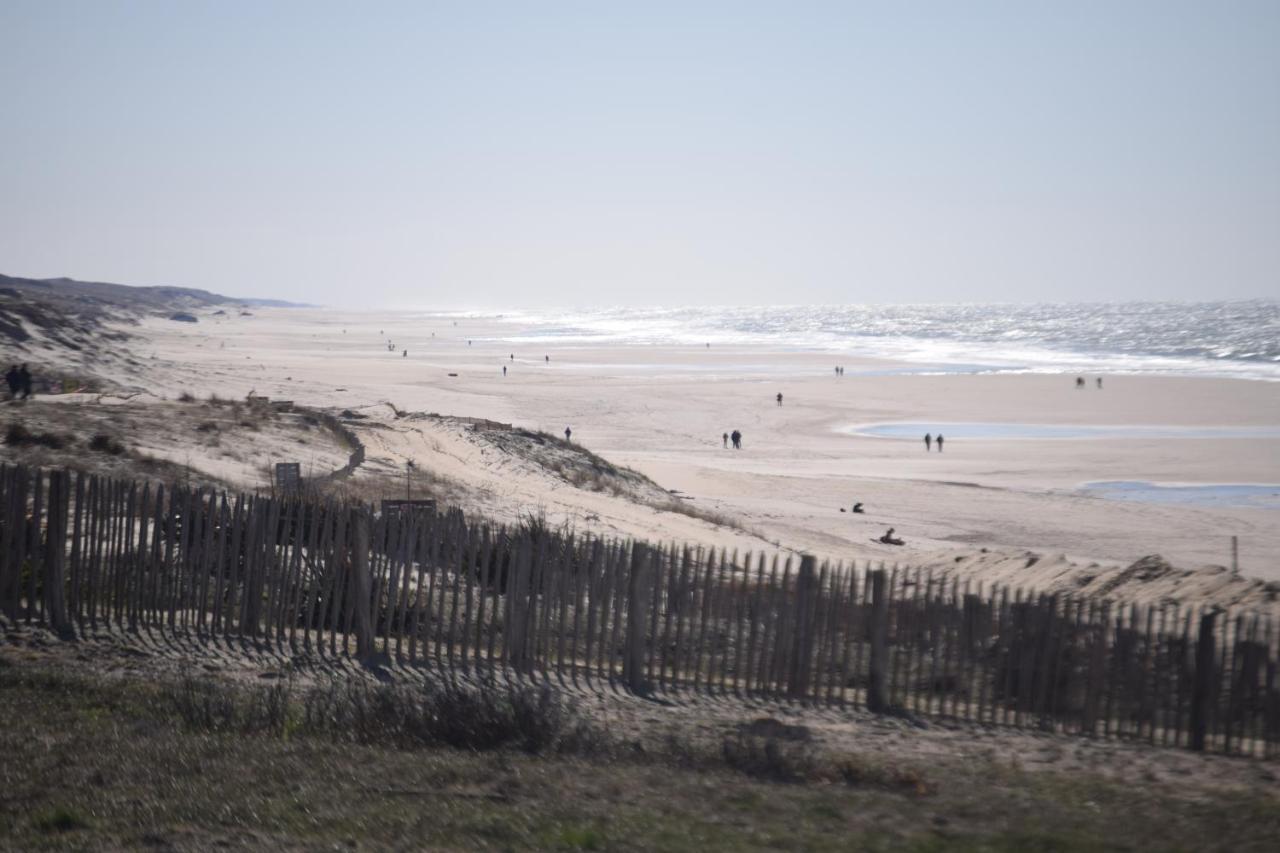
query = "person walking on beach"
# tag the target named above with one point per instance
(1099, 383)
(1079, 382)
(928, 442)
(726, 440)
(568, 434)
(779, 398)
(504, 370)
(939, 439)
(547, 358)
(736, 437)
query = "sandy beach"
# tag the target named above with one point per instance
(999, 509)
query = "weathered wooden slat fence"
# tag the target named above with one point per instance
(80, 553)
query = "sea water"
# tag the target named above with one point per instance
(1237, 339)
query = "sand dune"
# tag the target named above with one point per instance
(1006, 510)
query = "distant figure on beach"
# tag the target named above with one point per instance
(24, 381)
(513, 356)
(1099, 383)
(568, 434)
(779, 398)
(939, 440)
(1079, 382)
(504, 370)
(889, 539)
(726, 440)
(736, 438)
(468, 342)
(928, 442)
(857, 507)
(405, 354)
(547, 358)
(15, 383)
(842, 370)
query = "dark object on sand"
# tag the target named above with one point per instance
(736, 438)
(183, 317)
(858, 507)
(889, 539)
(453, 374)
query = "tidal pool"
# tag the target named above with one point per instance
(1246, 495)
(916, 431)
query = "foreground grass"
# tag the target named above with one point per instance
(88, 763)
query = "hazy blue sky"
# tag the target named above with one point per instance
(489, 154)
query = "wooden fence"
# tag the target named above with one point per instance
(80, 553)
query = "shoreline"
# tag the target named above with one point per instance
(981, 504)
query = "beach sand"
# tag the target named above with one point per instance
(1006, 510)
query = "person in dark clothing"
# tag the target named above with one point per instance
(547, 359)
(889, 538)
(858, 507)
(14, 382)
(1079, 382)
(568, 434)
(779, 398)
(939, 442)
(726, 440)
(504, 370)
(1099, 383)
(736, 438)
(24, 381)
(928, 442)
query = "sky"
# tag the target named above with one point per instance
(487, 155)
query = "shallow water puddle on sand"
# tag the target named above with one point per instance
(1246, 495)
(916, 431)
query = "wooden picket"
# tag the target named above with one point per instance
(82, 554)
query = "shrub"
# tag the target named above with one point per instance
(769, 758)
(60, 819)
(19, 436)
(534, 719)
(103, 443)
(209, 706)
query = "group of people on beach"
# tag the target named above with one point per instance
(19, 379)
(1080, 383)
(735, 437)
(930, 440)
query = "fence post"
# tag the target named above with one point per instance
(638, 594)
(877, 699)
(802, 641)
(56, 552)
(1202, 690)
(362, 584)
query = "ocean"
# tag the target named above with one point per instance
(1234, 339)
